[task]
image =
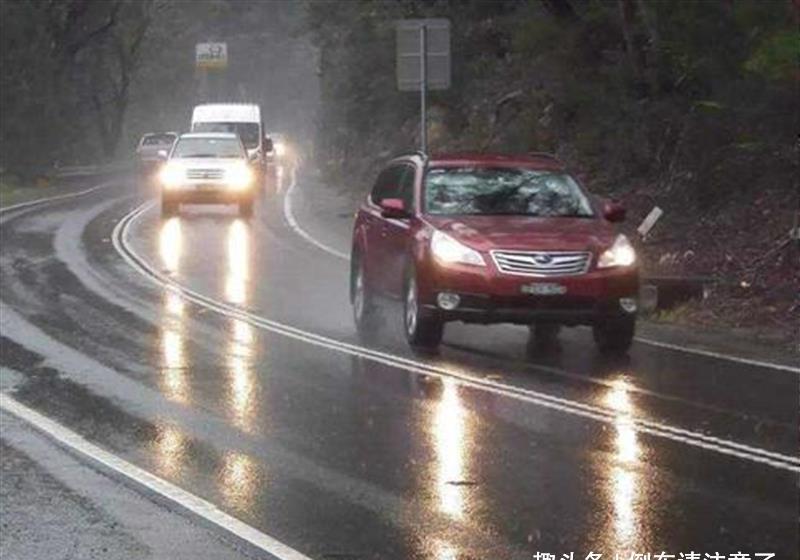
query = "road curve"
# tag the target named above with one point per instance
(219, 354)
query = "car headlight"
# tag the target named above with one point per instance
(170, 175)
(448, 251)
(279, 148)
(239, 177)
(620, 253)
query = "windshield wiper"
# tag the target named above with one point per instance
(199, 156)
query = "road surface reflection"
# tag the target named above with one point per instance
(172, 380)
(625, 486)
(450, 441)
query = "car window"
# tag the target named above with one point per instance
(208, 148)
(158, 140)
(485, 190)
(248, 132)
(406, 192)
(388, 184)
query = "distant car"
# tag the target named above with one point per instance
(207, 168)
(147, 158)
(492, 239)
(280, 148)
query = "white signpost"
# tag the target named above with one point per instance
(423, 62)
(211, 56)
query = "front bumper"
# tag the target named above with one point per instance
(488, 296)
(207, 194)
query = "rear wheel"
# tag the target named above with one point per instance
(614, 336)
(168, 207)
(246, 208)
(422, 327)
(364, 309)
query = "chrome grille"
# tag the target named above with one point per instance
(205, 174)
(542, 263)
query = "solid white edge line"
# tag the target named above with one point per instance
(292, 221)
(718, 355)
(187, 500)
(37, 201)
(290, 218)
(695, 439)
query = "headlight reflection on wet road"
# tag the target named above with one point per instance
(625, 486)
(173, 356)
(449, 430)
(238, 251)
(239, 480)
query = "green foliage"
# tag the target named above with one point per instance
(777, 57)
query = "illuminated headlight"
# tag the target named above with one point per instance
(239, 177)
(448, 251)
(620, 253)
(171, 175)
(280, 148)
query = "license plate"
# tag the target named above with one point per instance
(543, 289)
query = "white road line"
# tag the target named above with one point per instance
(19, 206)
(718, 355)
(290, 218)
(187, 500)
(576, 408)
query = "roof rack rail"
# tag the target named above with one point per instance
(419, 153)
(546, 155)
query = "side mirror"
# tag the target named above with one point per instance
(394, 208)
(162, 154)
(614, 211)
(268, 146)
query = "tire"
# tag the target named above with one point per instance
(169, 207)
(246, 208)
(365, 313)
(614, 336)
(424, 330)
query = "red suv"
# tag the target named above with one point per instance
(492, 239)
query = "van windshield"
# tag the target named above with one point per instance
(248, 132)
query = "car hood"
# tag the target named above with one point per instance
(527, 233)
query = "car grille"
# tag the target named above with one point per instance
(542, 263)
(207, 174)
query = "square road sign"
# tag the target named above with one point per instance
(408, 32)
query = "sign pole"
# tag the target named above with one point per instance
(423, 88)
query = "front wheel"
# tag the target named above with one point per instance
(168, 207)
(364, 309)
(614, 336)
(422, 327)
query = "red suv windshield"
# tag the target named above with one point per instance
(503, 190)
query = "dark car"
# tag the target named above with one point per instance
(148, 159)
(492, 239)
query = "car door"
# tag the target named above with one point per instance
(395, 233)
(386, 186)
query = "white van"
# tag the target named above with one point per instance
(243, 119)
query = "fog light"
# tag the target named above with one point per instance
(448, 301)
(628, 304)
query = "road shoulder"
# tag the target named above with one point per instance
(55, 506)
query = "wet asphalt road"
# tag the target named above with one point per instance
(485, 451)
